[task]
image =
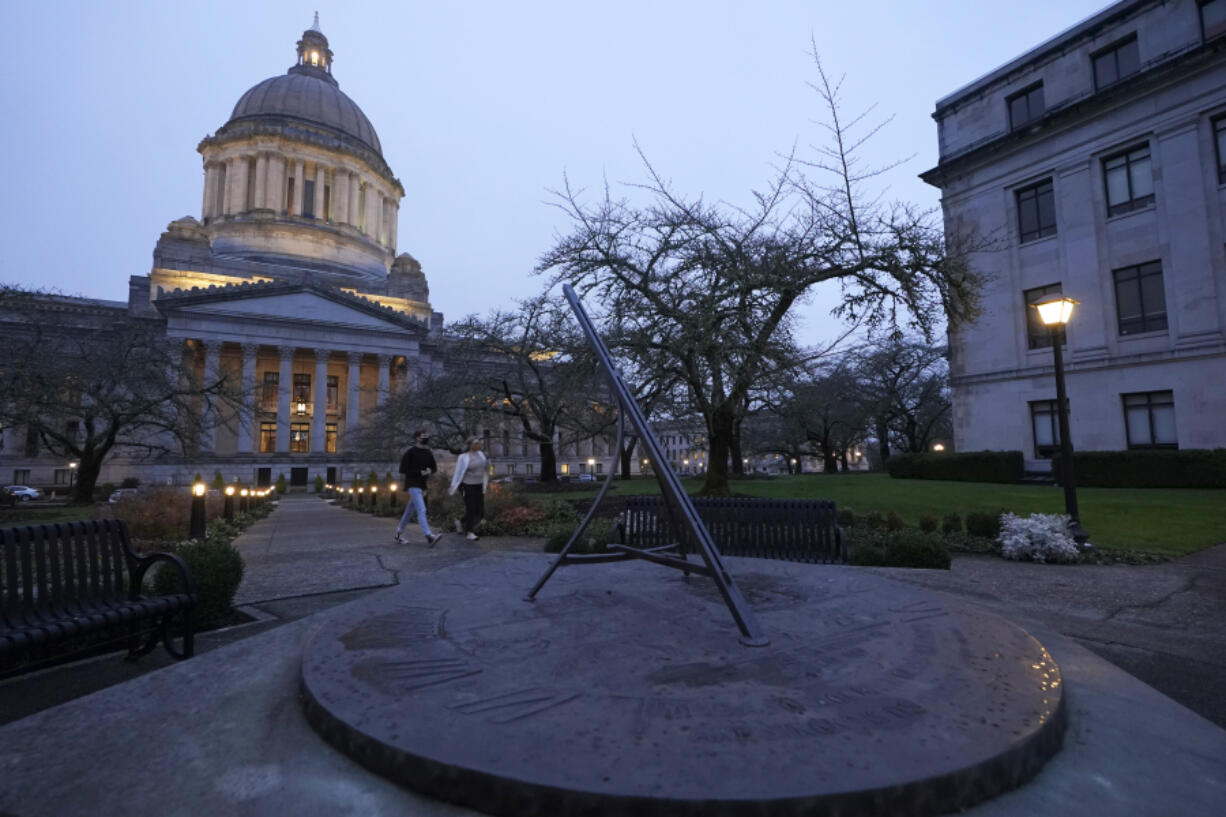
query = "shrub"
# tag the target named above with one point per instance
(902, 548)
(1187, 468)
(966, 466)
(219, 482)
(595, 539)
(520, 520)
(372, 478)
(873, 520)
(985, 524)
(1037, 538)
(162, 514)
(928, 523)
(319, 484)
(846, 517)
(281, 483)
(217, 567)
(130, 482)
(894, 522)
(952, 523)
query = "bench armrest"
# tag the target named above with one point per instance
(143, 563)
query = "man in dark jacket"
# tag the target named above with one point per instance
(417, 465)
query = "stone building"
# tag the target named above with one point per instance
(1096, 163)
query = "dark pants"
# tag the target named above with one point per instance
(474, 506)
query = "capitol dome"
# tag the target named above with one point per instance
(296, 178)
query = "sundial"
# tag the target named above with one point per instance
(623, 689)
(626, 691)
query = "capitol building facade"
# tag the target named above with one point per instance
(289, 282)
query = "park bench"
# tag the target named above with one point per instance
(64, 582)
(795, 530)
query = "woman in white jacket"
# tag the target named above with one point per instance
(471, 478)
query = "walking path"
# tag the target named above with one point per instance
(227, 727)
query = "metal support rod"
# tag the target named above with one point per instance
(684, 516)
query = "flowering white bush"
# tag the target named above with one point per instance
(1040, 537)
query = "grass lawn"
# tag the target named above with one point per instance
(1170, 522)
(37, 513)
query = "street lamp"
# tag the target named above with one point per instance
(72, 474)
(196, 524)
(938, 447)
(1055, 314)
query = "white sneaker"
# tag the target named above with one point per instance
(472, 537)
(432, 540)
(400, 539)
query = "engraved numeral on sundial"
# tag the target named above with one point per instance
(424, 672)
(511, 706)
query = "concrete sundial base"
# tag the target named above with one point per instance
(623, 690)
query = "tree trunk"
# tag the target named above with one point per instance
(883, 440)
(843, 461)
(549, 463)
(720, 440)
(738, 459)
(627, 459)
(830, 458)
(86, 478)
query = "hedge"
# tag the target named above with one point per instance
(1187, 468)
(966, 466)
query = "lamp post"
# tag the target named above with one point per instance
(196, 525)
(1055, 314)
(72, 475)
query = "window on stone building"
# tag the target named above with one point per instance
(1212, 18)
(1140, 300)
(330, 438)
(268, 395)
(1115, 62)
(1219, 138)
(1036, 211)
(334, 385)
(510, 468)
(1130, 182)
(61, 476)
(1038, 335)
(529, 468)
(600, 468)
(308, 199)
(299, 438)
(582, 467)
(268, 438)
(21, 476)
(1045, 423)
(302, 393)
(1149, 419)
(565, 468)
(289, 195)
(1025, 106)
(523, 446)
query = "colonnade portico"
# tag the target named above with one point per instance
(274, 393)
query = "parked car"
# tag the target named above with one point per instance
(122, 494)
(587, 477)
(24, 492)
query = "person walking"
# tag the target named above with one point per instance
(471, 478)
(417, 465)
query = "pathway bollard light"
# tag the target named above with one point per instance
(361, 496)
(196, 526)
(242, 501)
(1055, 314)
(374, 499)
(391, 496)
(229, 507)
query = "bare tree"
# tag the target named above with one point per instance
(711, 287)
(905, 383)
(90, 381)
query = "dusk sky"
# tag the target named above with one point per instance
(481, 107)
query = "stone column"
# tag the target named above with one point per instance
(246, 417)
(395, 218)
(210, 191)
(261, 181)
(385, 378)
(299, 186)
(320, 408)
(212, 366)
(352, 404)
(340, 195)
(227, 198)
(285, 385)
(239, 169)
(275, 191)
(374, 215)
(355, 190)
(321, 178)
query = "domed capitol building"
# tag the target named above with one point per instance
(290, 280)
